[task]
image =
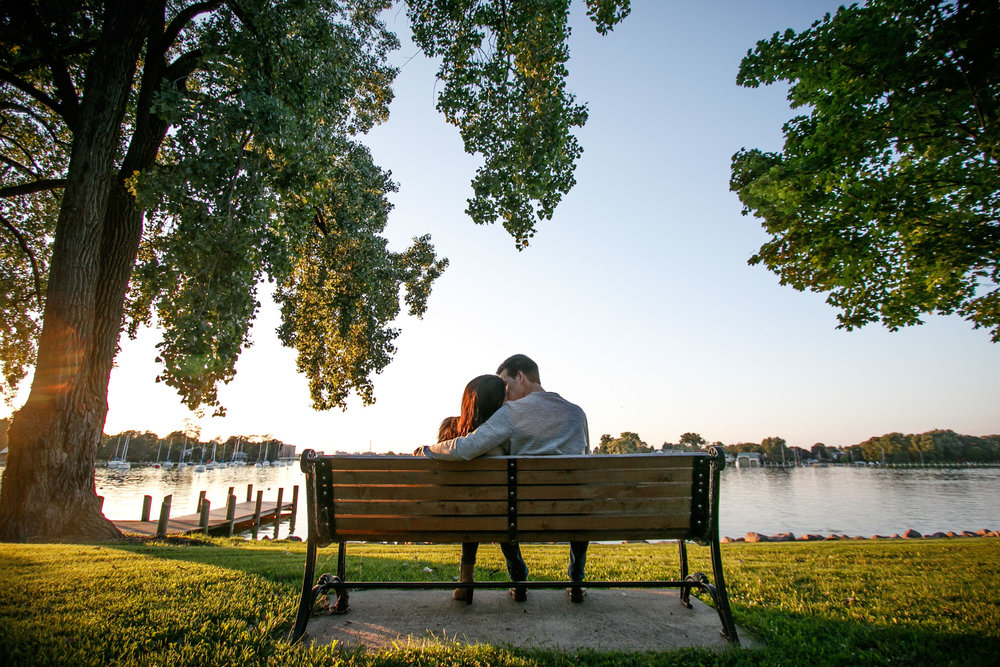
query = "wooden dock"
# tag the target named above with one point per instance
(244, 517)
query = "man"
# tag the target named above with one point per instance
(532, 422)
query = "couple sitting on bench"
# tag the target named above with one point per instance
(511, 414)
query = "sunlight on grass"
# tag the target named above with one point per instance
(230, 602)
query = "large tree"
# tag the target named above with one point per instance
(160, 158)
(692, 440)
(627, 443)
(886, 194)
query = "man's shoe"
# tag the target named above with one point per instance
(576, 593)
(519, 593)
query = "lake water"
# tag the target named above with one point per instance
(858, 501)
(824, 500)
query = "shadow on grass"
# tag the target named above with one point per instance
(283, 562)
(787, 637)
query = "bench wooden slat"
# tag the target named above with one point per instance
(420, 492)
(423, 477)
(605, 506)
(341, 463)
(611, 535)
(589, 507)
(433, 537)
(598, 476)
(599, 523)
(497, 492)
(618, 461)
(612, 462)
(582, 492)
(378, 525)
(496, 537)
(420, 508)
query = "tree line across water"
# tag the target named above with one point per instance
(148, 447)
(937, 446)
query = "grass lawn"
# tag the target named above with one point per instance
(229, 602)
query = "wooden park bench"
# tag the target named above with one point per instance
(513, 499)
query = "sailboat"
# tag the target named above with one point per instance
(159, 445)
(211, 463)
(181, 463)
(122, 462)
(113, 461)
(242, 461)
(201, 462)
(222, 462)
(265, 462)
(167, 465)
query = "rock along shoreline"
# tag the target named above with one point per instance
(812, 537)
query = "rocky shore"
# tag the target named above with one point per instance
(908, 535)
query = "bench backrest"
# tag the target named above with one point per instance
(523, 499)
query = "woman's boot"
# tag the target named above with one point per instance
(465, 576)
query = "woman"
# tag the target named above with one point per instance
(482, 397)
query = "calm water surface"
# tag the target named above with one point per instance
(842, 500)
(858, 501)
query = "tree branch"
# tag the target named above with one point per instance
(31, 258)
(24, 151)
(320, 222)
(70, 101)
(183, 65)
(30, 188)
(25, 87)
(15, 164)
(181, 20)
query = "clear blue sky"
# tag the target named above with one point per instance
(636, 299)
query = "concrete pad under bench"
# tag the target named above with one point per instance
(607, 620)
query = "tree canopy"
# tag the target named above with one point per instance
(627, 443)
(886, 194)
(159, 159)
(692, 440)
(263, 173)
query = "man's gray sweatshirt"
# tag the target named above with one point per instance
(542, 423)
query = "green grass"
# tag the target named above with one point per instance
(228, 602)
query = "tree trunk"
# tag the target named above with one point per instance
(48, 486)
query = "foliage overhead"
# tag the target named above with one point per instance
(504, 68)
(886, 194)
(252, 115)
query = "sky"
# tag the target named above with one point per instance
(635, 300)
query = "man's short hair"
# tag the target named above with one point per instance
(520, 362)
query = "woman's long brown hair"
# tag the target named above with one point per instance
(482, 397)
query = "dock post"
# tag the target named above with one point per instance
(147, 505)
(161, 525)
(231, 489)
(206, 507)
(277, 512)
(201, 499)
(249, 492)
(100, 504)
(295, 508)
(256, 514)
(231, 511)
